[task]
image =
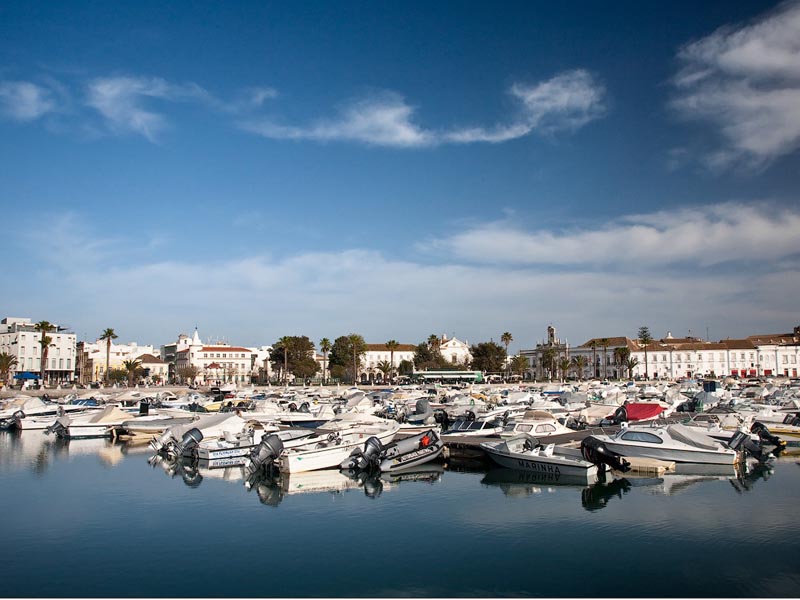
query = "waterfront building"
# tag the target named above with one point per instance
(20, 338)
(92, 358)
(454, 350)
(379, 353)
(218, 363)
(672, 358)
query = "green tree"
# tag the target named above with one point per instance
(7, 364)
(391, 346)
(133, 368)
(564, 365)
(188, 374)
(385, 367)
(604, 344)
(488, 357)
(108, 335)
(631, 363)
(579, 363)
(506, 338)
(645, 339)
(44, 327)
(621, 355)
(345, 356)
(295, 355)
(519, 365)
(549, 358)
(325, 347)
(117, 375)
(434, 342)
(406, 367)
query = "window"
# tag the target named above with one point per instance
(60, 364)
(641, 436)
(22, 350)
(68, 364)
(545, 428)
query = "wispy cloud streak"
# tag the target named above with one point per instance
(24, 101)
(565, 102)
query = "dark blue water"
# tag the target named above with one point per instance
(88, 518)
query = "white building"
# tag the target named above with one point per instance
(379, 353)
(219, 363)
(673, 358)
(95, 355)
(19, 338)
(454, 350)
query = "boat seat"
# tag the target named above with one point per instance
(548, 450)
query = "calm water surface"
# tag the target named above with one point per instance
(89, 518)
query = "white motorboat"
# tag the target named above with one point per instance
(674, 443)
(331, 453)
(474, 428)
(30, 406)
(238, 446)
(538, 423)
(98, 424)
(524, 453)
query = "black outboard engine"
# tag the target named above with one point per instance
(59, 427)
(264, 454)
(596, 452)
(188, 442)
(767, 437)
(367, 458)
(620, 416)
(144, 408)
(305, 408)
(742, 442)
(469, 415)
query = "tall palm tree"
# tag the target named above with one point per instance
(358, 347)
(385, 367)
(593, 346)
(108, 335)
(285, 340)
(391, 346)
(604, 345)
(325, 346)
(506, 338)
(630, 364)
(45, 342)
(549, 357)
(7, 364)
(563, 366)
(579, 363)
(621, 355)
(644, 339)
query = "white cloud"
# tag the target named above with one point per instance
(565, 102)
(702, 236)
(24, 101)
(254, 299)
(121, 101)
(746, 81)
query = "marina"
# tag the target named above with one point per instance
(465, 516)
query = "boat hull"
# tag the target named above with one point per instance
(555, 466)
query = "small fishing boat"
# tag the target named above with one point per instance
(523, 452)
(539, 423)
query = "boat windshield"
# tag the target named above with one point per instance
(641, 436)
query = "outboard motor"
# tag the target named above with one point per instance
(265, 453)
(767, 437)
(620, 415)
(15, 419)
(59, 427)
(366, 458)
(469, 415)
(144, 408)
(188, 442)
(596, 452)
(305, 408)
(742, 442)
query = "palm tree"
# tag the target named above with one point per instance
(593, 346)
(604, 343)
(579, 363)
(630, 364)
(621, 355)
(7, 364)
(325, 346)
(549, 361)
(391, 346)
(564, 365)
(506, 338)
(434, 342)
(44, 327)
(385, 367)
(284, 341)
(133, 367)
(644, 339)
(108, 335)
(359, 347)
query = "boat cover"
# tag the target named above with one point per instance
(638, 411)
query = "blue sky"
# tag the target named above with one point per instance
(400, 169)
